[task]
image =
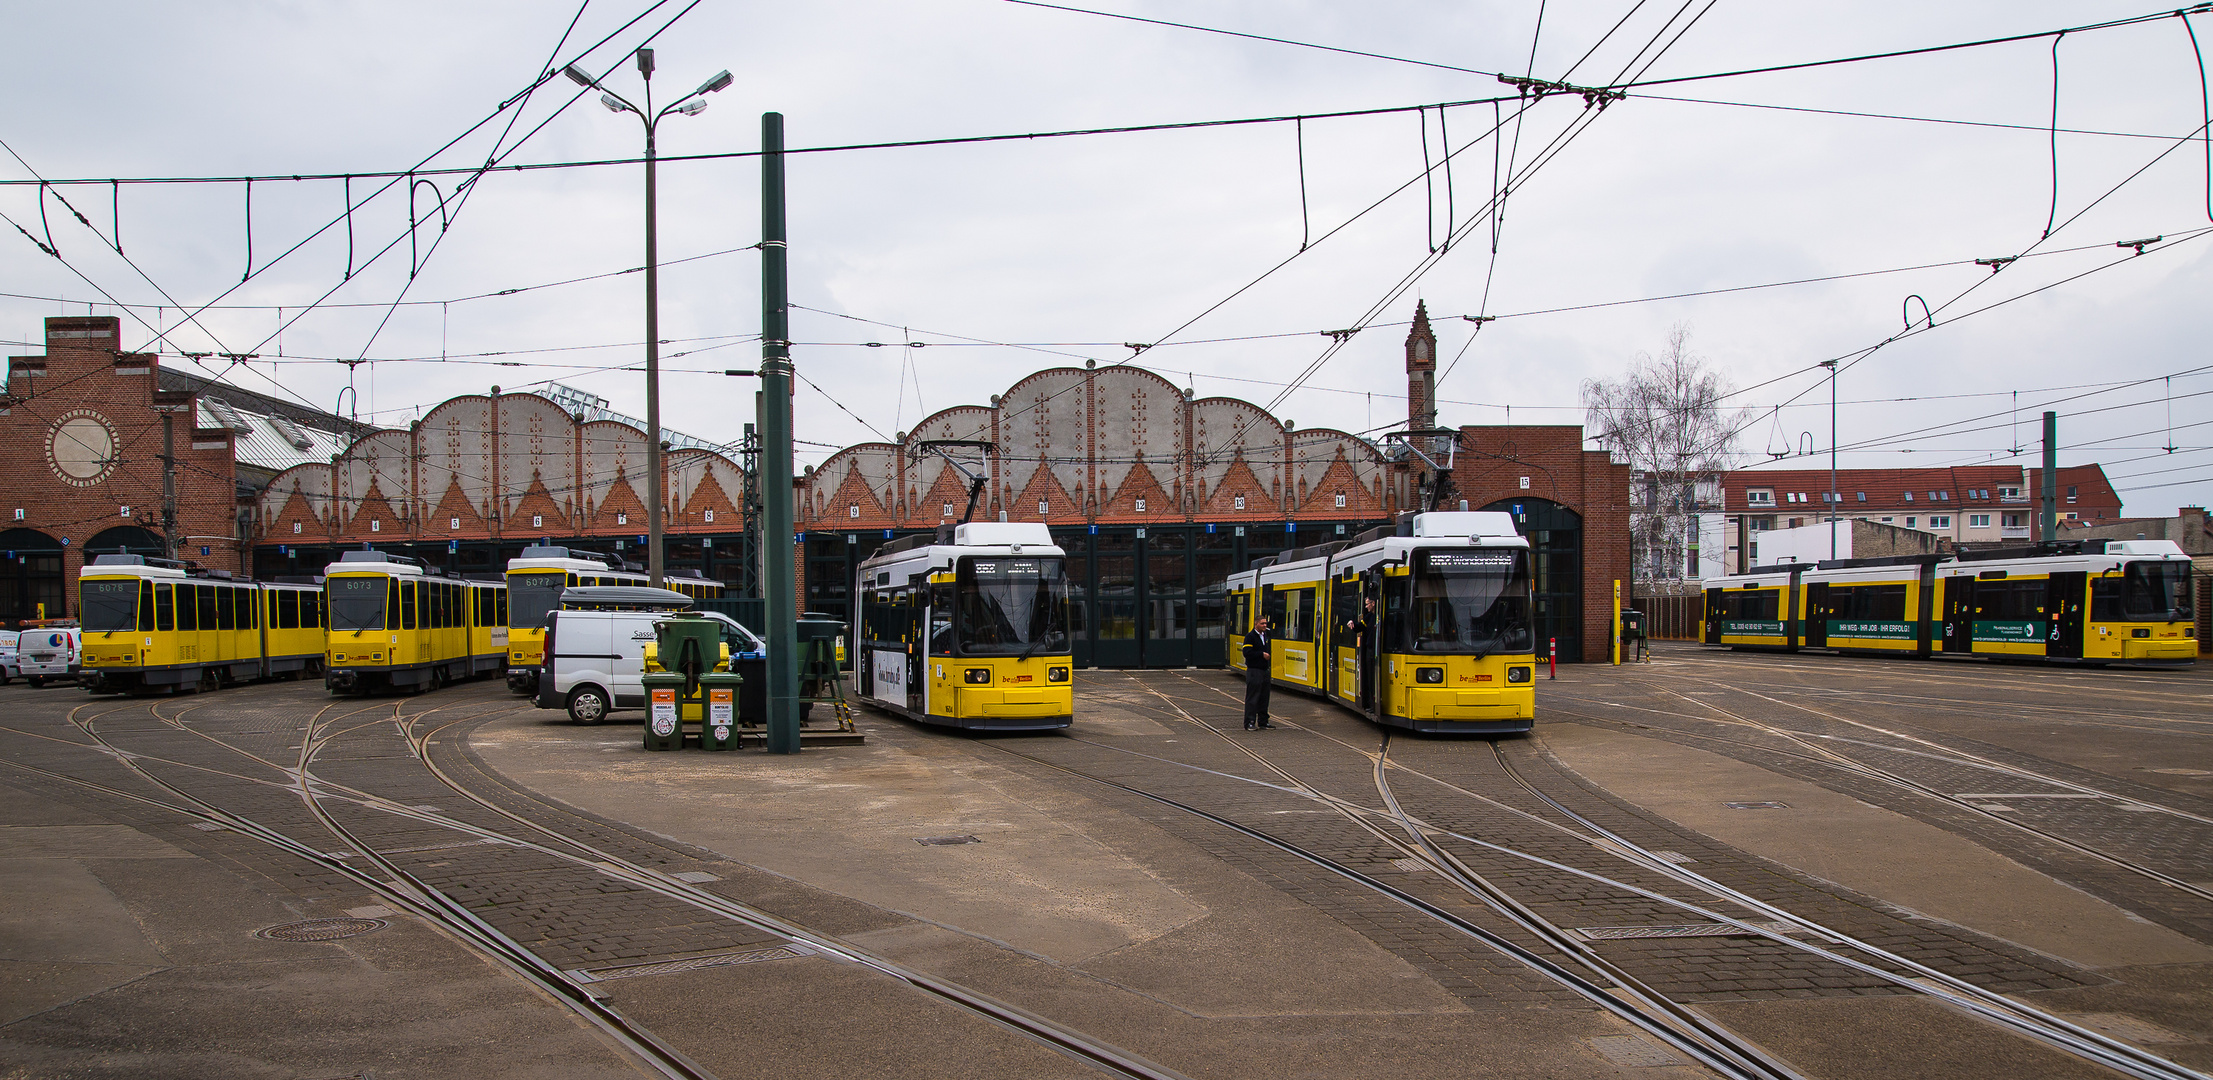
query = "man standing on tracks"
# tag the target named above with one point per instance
(1256, 675)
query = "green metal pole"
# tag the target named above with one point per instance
(2049, 519)
(779, 587)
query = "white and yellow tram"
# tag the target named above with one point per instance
(1423, 625)
(968, 628)
(160, 626)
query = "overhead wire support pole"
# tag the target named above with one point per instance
(1833, 495)
(779, 587)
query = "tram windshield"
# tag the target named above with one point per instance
(530, 596)
(109, 605)
(2153, 592)
(356, 603)
(1474, 600)
(1012, 606)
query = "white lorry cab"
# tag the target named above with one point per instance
(594, 658)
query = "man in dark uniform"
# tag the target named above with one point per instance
(1256, 675)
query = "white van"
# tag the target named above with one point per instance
(8, 669)
(595, 660)
(49, 653)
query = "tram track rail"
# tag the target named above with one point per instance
(1903, 972)
(408, 892)
(1807, 749)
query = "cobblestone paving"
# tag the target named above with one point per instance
(2160, 718)
(1330, 751)
(236, 750)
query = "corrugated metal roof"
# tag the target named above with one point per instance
(269, 442)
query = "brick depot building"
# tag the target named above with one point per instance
(83, 435)
(1158, 496)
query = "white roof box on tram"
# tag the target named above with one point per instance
(2143, 547)
(1464, 523)
(1001, 533)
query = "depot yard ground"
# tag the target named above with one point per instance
(2010, 826)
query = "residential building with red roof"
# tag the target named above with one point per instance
(1967, 505)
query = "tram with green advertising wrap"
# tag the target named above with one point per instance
(395, 625)
(968, 628)
(2120, 603)
(1425, 624)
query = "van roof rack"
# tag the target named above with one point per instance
(622, 598)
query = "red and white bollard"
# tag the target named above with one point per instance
(1552, 654)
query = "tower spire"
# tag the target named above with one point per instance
(1421, 371)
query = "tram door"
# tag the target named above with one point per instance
(1371, 644)
(2063, 598)
(1817, 614)
(1959, 614)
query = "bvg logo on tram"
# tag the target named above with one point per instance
(1016, 678)
(1475, 678)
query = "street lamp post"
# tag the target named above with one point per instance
(691, 104)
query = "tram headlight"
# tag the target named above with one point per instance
(976, 675)
(1517, 674)
(1056, 674)
(1429, 674)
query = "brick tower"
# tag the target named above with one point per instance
(1421, 371)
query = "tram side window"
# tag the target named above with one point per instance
(2105, 600)
(287, 603)
(1298, 615)
(1760, 606)
(941, 619)
(204, 600)
(1344, 604)
(2010, 600)
(1869, 603)
(165, 607)
(499, 608)
(145, 605)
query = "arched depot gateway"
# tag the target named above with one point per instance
(1158, 496)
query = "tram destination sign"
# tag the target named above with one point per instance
(1496, 561)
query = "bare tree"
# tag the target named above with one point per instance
(1665, 419)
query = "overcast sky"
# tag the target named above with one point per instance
(1010, 256)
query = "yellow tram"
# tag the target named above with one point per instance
(2098, 602)
(160, 626)
(1445, 598)
(968, 628)
(535, 580)
(396, 625)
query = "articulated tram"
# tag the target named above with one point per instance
(1449, 646)
(968, 628)
(535, 580)
(2098, 602)
(160, 626)
(396, 625)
